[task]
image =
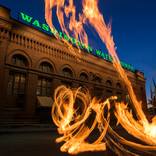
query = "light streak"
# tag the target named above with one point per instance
(72, 126)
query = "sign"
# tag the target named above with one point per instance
(31, 21)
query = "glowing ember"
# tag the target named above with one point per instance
(73, 125)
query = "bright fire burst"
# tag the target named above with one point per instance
(73, 125)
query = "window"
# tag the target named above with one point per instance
(97, 79)
(83, 77)
(83, 88)
(67, 72)
(108, 83)
(16, 83)
(98, 92)
(19, 60)
(66, 83)
(119, 95)
(118, 85)
(44, 87)
(109, 93)
(46, 67)
(44, 84)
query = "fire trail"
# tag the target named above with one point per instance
(73, 126)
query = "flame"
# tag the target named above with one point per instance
(76, 27)
(138, 129)
(104, 32)
(73, 126)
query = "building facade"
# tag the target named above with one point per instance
(33, 64)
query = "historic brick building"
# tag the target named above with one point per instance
(33, 64)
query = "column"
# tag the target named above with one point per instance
(31, 98)
(3, 73)
(55, 83)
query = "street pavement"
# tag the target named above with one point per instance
(42, 143)
(36, 144)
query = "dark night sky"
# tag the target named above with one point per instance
(133, 28)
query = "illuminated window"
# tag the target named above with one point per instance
(67, 72)
(46, 67)
(19, 60)
(16, 83)
(44, 87)
(83, 77)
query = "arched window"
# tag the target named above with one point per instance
(83, 77)
(46, 67)
(17, 79)
(19, 60)
(118, 85)
(44, 85)
(67, 72)
(108, 83)
(97, 79)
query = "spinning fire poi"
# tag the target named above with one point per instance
(73, 125)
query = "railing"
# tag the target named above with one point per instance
(39, 46)
(29, 43)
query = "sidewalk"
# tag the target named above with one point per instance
(26, 128)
